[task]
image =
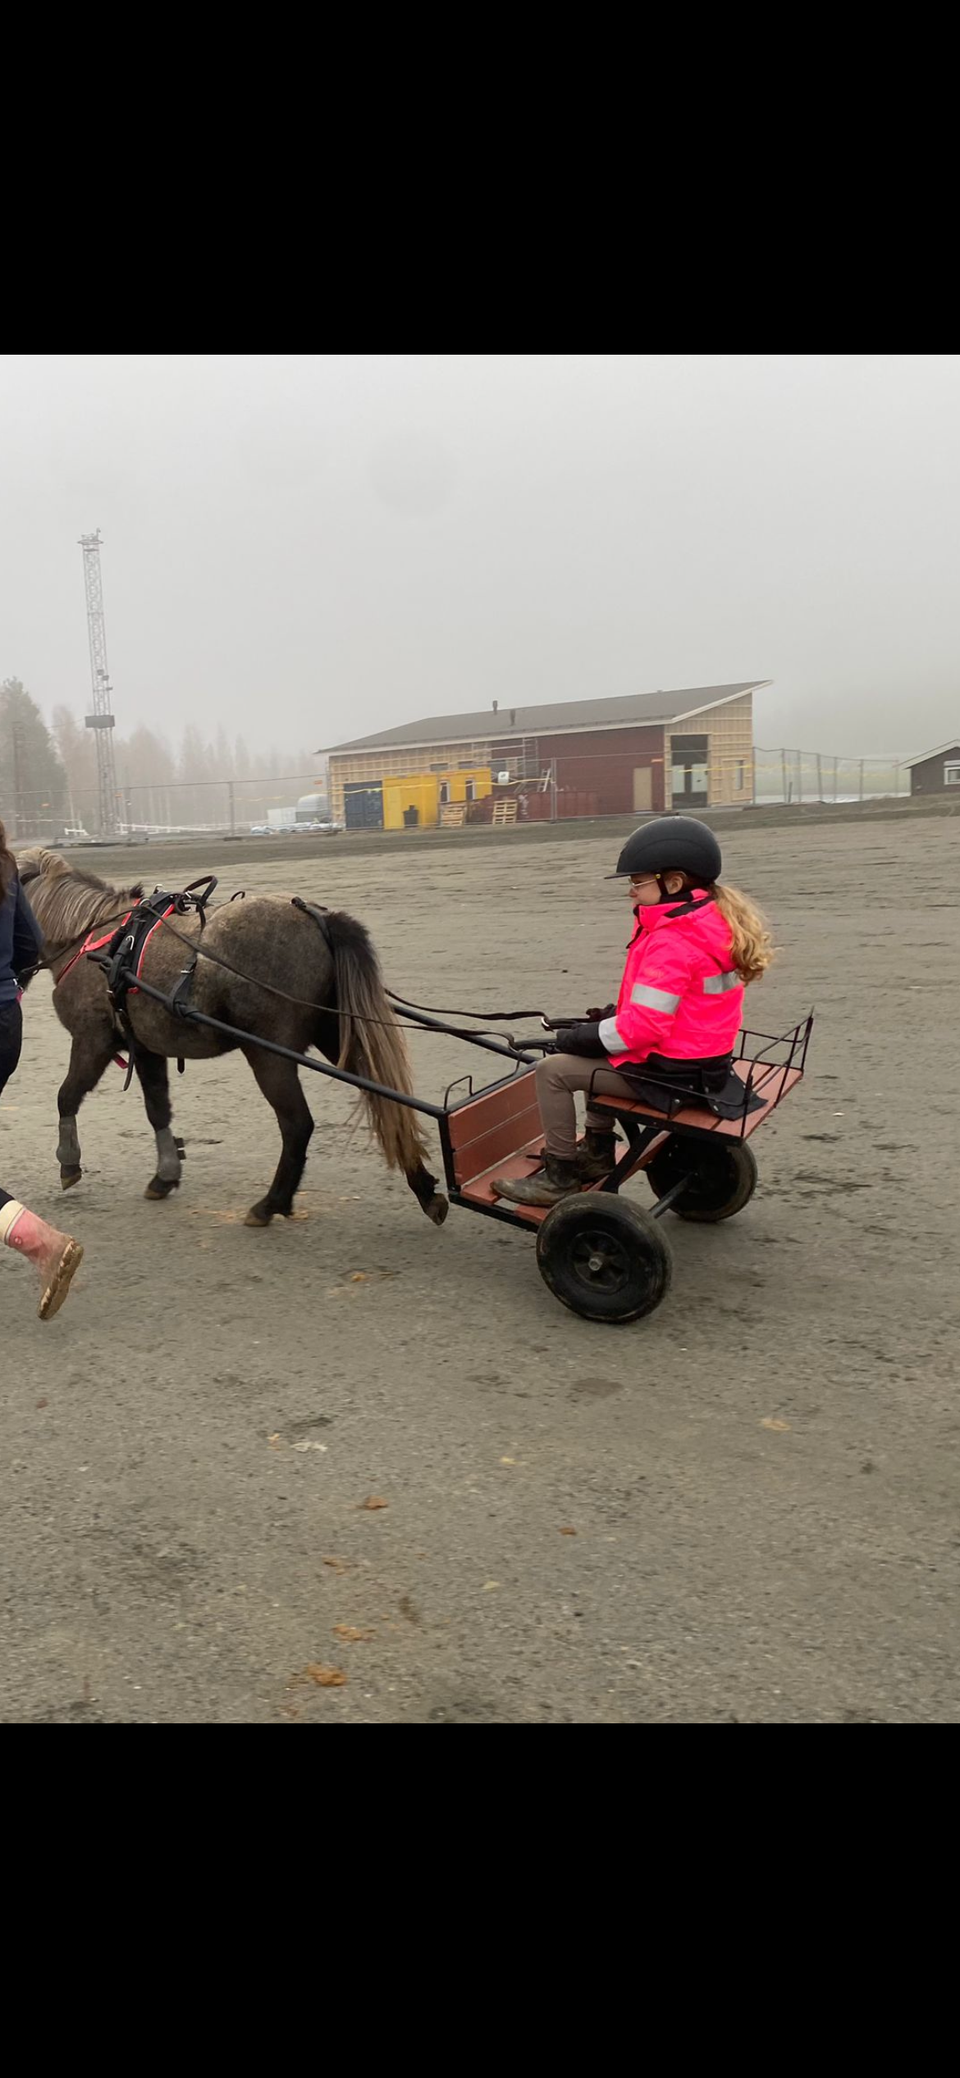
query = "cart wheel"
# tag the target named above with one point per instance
(722, 1172)
(603, 1259)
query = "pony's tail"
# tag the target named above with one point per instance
(752, 945)
(371, 1041)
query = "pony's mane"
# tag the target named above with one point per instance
(69, 900)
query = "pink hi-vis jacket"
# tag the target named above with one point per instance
(681, 995)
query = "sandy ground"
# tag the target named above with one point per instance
(187, 1449)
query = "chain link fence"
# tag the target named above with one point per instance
(578, 787)
(795, 776)
(168, 809)
(574, 788)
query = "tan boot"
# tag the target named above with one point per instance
(55, 1256)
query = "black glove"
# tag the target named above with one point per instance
(583, 1039)
(599, 1015)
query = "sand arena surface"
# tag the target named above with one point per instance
(761, 1478)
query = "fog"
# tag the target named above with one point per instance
(304, 548)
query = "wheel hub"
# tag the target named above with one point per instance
(601, 1261)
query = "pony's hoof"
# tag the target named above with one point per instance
(436, 1208)
(156, 1188)
(68, 1177)
(256, 1217)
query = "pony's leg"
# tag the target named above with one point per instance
(424, 1188)
(154, 1079)
(89, 1056)
(280, 1084)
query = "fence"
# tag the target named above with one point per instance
(166, 808)
(563, 788)
(795, 776)
(617, 784)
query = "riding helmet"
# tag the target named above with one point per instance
(671, 844)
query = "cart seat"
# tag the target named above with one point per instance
(770, 1081)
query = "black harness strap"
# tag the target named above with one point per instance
(319, 913)
(197, 896)
(483, 1017)
(120, 959)
(180, 999)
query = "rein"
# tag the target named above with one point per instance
(404, 1005)
(329, 1010)
(482, 1016)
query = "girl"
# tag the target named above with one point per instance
(55, 1256)
(696, 946)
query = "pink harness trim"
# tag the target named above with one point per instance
(96, 944)
(143, 949)
(92, 944)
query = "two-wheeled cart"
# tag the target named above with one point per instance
(604, 1258)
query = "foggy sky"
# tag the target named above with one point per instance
(305, 548)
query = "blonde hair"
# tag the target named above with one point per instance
(751, 943)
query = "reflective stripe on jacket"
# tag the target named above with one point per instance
(680, 995)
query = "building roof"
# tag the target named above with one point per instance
(629, 710)
(943, 750)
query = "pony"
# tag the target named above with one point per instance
(339, 1005)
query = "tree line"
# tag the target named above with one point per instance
(48, 775)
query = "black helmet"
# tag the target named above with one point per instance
(671, 844)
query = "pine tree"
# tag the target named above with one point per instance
(77, 753)
(33, 784)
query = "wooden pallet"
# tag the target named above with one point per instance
(453, 815)
(504, 814)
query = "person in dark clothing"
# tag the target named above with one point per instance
(55, 1256)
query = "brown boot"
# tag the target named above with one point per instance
(54, 1256)
(554, 1181)
(596, 1156)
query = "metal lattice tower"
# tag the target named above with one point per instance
(102, 719)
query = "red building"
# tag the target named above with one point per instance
(631, 755)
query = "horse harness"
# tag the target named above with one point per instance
(121, 954)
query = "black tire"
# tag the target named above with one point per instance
(722, 1172)
(603, 1259)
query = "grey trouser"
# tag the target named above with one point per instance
(558, 1076)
